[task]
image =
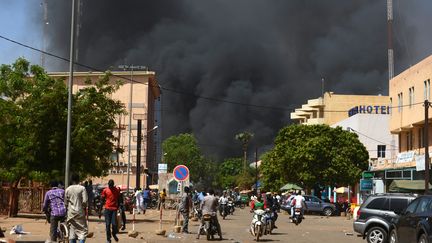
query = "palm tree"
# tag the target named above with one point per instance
(245, 138)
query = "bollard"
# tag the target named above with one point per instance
(160, 231)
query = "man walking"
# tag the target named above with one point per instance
(54, 207)
(111, 195)
(184, 208)
(75, 202)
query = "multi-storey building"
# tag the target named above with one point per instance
(333, 108)
(143, 100)
(408, 91)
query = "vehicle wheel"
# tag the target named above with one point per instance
(393, 237)
(257, 233)
(328, 211)
(422, 239)
(376, 235)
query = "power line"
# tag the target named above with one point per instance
(364, 135)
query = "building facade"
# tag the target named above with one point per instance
(143, 99)
(333, 108)
(408, 91)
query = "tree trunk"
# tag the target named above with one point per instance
(13, 199)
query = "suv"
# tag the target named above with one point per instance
(414, 224)
(314, 204)
(376, 214)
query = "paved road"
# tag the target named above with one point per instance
(235, 228)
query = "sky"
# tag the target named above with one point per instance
(271, 53)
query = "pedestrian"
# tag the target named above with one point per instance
(75, 202)
(54, 208)
(111, 195)
(146, 194)
(184, 208)
(122, 208)
(162, 197)
(90, 195)
(139, 202)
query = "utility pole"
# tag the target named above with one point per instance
(389, 39)
(426, 145)
(256, 169)
(70, 86)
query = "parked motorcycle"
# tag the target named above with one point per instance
(210, 227)
(231, 207)
(297, 217)
(259, 225)
(98, 205)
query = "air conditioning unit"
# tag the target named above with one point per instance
(121, 164)
(120, 171)
(113, 172)
(115, 164)
(133, 164)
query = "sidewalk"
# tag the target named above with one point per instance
(145, 225)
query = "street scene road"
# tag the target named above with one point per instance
(235, 228)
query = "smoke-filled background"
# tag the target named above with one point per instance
(269, 53)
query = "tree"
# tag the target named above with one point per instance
(229, 171)
(183, 149)
(245, 138)
(33, 124)
(316, 154)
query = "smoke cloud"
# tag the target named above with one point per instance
(271, 53)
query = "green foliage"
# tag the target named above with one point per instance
(183, 149)
(313, 154)
(33, 124)
(229, 171)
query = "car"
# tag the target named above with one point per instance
(376, 214)
(414, 223)
(314, 205)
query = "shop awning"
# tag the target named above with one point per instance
(407, 186)
(291, 187)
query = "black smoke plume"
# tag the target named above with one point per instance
(270, 53)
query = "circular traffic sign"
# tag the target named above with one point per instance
(181, 172)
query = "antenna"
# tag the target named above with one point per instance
(389, 38)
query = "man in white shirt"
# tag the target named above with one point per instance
(298, 202)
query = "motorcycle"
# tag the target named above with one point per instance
(98, 205)
(210, 227)
(270, 218)
(223, 210)
(297, 217)
(128, 203)
(258, 224)
(230, 206)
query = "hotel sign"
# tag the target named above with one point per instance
(369, 109)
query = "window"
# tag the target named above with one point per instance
(411, 207)
(420, 138)
(398, 204)
(400, 102)
(381, 151)
(409, 140)
(426, 91)
(422, 206)
(391, 105)
(379, 203)
(411, 96)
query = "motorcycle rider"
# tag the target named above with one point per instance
(209, 206)
(298, 202)
(258, 204)
(223, 201)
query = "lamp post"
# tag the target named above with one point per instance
(70, 86)
(132, 68)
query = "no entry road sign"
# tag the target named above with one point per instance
(181, 172)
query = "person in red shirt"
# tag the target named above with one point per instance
(111, 196)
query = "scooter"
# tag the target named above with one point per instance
(223, 210)
(269, 221)
(230, 206)
(258, 224)
(297, 217)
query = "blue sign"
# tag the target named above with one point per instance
(369, 109)
(366, 185)
(181, 172)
